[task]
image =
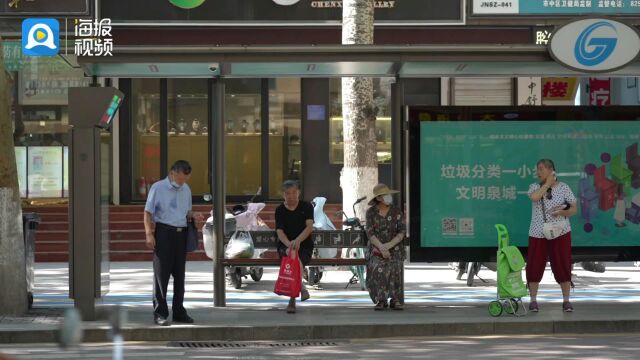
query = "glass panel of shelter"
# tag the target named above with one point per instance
(382, 103)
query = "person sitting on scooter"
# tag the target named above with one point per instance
(294, 225)
(385, 230)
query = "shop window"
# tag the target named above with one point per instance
(145, 117)
(43, 88)
(187, 120)
(243, 137)
(39, 99)
(284, 133)
(382, 102)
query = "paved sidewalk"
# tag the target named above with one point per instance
(436, 304)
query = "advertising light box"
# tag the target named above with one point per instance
(475, 168)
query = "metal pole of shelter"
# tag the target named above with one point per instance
(84, 217)
(397, 100)
(397, 158)
(217, 190)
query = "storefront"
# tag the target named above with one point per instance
(282, 120)
(281, 68)
(271, 126)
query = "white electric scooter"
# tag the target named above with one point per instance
(244, 219)
(320, 222)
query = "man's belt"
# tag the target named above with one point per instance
(169, 227)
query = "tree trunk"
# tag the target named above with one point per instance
(360, 172)
(13, 296)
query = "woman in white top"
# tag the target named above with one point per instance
(553, 202)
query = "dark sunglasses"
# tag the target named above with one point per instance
(549, 195)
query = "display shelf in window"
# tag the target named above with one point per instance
(383, 138)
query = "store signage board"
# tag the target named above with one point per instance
(276, 13)
(316, 112)
(556, 7)
(14, 60)
(48, 8)
(600, 91)
(559, 89)
(595, 45)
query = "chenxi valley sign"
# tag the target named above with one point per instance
(338, 4)
(276, 12)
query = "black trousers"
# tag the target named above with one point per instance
(169, 258)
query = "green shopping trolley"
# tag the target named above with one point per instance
(511, 288)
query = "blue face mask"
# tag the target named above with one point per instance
(387, 199)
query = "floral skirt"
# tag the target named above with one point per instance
(384, 278)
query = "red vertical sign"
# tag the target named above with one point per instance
(599, 91)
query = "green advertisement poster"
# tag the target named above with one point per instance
(476, 174)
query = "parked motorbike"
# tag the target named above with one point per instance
(594, 266)
(245, 219)
(471, 269)
(208, 233)
(313, 274)
(354, 224)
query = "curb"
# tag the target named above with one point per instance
(333, 332)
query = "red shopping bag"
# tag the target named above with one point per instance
(290, 277)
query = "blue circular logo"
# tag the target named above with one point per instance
(593, 50)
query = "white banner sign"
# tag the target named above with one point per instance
(45, 171)
(529, 91)
(487, 7)
(21, 164)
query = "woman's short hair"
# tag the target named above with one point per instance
(181, 166)
(288, 184)
(548, 163)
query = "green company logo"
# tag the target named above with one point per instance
(186, 4)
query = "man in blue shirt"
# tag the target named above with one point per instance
(166, 214)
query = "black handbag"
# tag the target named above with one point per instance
(192, 236)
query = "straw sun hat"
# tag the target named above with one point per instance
(380, 189)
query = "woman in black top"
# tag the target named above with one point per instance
(294, 224)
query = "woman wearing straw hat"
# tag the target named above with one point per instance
(385, 230)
